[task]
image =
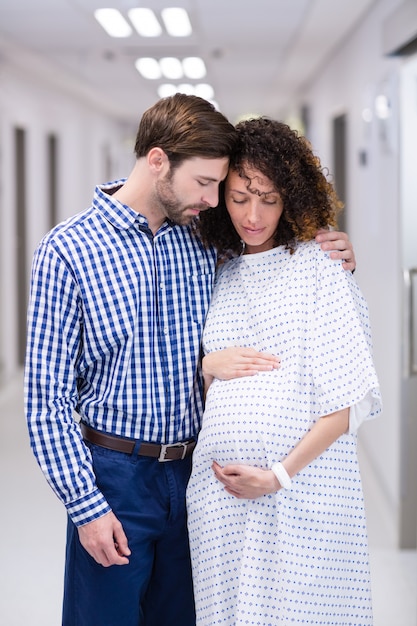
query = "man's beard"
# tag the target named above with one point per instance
(169, 204)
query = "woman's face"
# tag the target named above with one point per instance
(255, 209)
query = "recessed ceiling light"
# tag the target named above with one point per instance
(166, 89)
(204, 90)
(194, 67)
(148, 67)
(177, 22)
(145, 22)
(171, 68)
(113, 22)
(186, 88)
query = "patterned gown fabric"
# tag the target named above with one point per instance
(299, 556)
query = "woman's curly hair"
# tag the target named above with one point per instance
(286, 158)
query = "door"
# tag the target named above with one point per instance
(408, 188)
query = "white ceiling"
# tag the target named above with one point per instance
(258, 53)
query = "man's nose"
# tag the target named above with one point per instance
(211, 197)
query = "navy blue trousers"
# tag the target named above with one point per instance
(155, 589)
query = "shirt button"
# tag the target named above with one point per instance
(162, 285)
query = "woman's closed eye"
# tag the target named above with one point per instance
(238, 200)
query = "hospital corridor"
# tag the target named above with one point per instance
(73, 90)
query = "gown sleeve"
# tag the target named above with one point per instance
(343, 369)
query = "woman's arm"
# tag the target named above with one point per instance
(235, 362)
(246, 481)
(324, 432)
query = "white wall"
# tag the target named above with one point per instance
(356, 73)
(34, 102)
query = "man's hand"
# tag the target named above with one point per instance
(340, 246)
(246, 481)
(105, 540)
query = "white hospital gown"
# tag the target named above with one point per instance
(299, 556)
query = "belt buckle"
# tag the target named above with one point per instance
(165, 447)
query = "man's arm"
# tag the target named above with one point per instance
(53, 344)
(105, 540)
(340, 246)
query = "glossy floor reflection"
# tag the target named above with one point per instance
(32, 524)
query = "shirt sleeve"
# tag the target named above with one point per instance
(343, 368)
(54, 345)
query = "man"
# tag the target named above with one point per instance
(118, 299)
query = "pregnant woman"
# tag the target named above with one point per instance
(275, 504)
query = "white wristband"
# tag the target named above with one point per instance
(282, 475)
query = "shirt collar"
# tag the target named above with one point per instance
(118, 214)
(121, 215)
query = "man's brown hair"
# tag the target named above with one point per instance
(185, 127)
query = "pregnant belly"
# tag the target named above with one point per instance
(247, 420)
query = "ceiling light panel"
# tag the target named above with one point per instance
(171, 68)
(177, 22)
(145, 22)
(167, 89)
(186, 88)
(203, 90)
(113, 22)
(194, 67)
(148, 68)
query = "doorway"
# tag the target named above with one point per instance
(339, 165)
(408, 190)
(21, 243)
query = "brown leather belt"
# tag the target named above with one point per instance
(162, 452)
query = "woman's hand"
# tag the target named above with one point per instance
(236, 362)
(340, 245)
(246, 481)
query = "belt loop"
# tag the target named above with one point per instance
(135, 451)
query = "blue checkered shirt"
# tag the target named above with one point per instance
(114, 328)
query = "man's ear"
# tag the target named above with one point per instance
(157, 160)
